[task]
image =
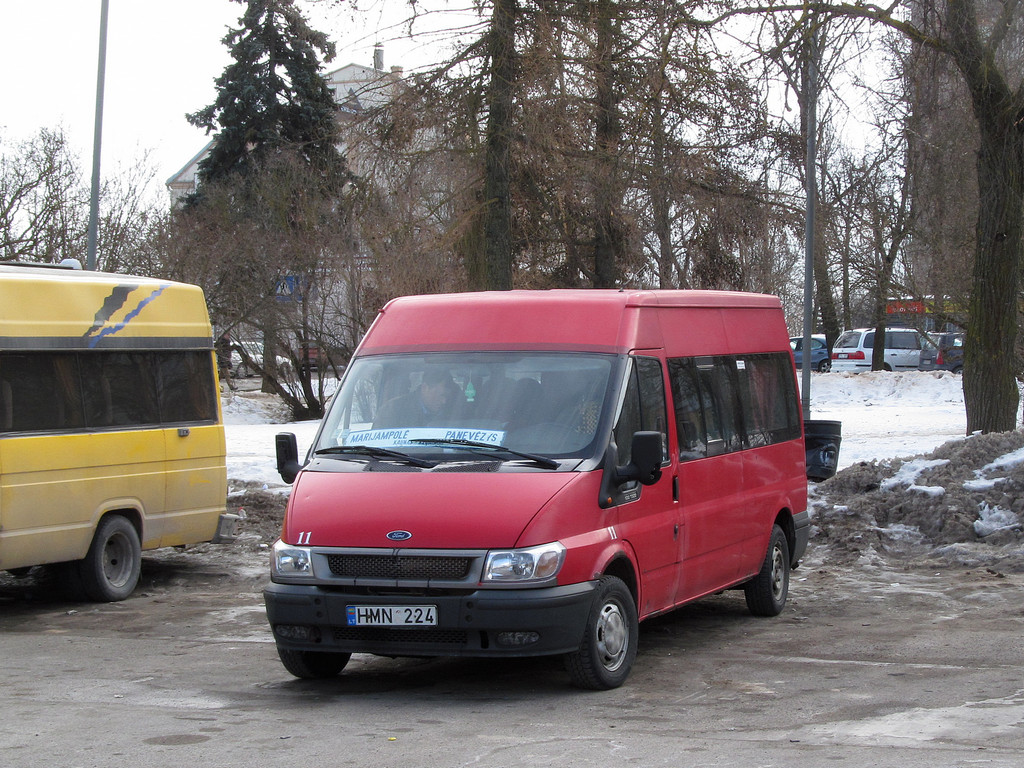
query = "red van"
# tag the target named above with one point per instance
(535, 472)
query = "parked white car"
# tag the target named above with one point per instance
(906, 349)
(241, 369)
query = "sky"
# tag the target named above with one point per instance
(161, 63)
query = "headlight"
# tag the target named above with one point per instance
(290, 562)
(520, 565)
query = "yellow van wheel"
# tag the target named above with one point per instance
(110, 570)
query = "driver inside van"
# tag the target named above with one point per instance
(422, 406)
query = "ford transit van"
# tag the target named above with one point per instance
(534, 473)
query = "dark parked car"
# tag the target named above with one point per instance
(821, 358)
(950, 351)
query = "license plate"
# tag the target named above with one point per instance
(391, 615)
(843, 355)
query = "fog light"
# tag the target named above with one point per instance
(297, 632)
(517, 639)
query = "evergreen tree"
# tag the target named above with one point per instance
(268, 222)
(272, 96)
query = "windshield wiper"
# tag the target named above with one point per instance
(543, 461)
(377, 453)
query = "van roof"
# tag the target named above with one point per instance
(45, 307)
(585, 320)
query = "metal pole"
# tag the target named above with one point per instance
(94, 197)
(811, 93)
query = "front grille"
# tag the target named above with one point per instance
(386, 635)
(399, 567)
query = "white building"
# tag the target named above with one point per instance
(355, 87)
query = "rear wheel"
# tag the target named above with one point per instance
(825, 366)
(609, 641)
(313, 665)
(110, 570)
(766, 593)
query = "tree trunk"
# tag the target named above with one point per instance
(825, 296)
(661, 210)
(990, 385)
(608, 235)
(497, 211)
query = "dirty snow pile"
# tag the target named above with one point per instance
(962, 503)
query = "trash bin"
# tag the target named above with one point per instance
(821, 443)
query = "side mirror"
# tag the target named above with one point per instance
(645, 465)
(287, 456)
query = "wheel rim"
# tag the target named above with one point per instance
(117, 560)
(612, 636)
(778, 573)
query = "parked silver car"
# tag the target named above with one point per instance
(906, 349)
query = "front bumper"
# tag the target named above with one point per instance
(486, 623)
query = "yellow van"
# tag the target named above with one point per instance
(111, 435)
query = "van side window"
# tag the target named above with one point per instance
(717, 378)
(69, 391)
(729, 403)
(768, 396)
(686, 396)
(184, 390)
(643, 408)
(41, 392)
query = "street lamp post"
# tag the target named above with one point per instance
(94, 197)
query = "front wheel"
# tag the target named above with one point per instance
(313, 665)
(766, 593)
(110, 570)
(610, 640)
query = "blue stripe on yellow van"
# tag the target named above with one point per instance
(103, 324)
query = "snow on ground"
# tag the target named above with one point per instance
(885, 415)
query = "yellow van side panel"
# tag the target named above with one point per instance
(196, 485)
(56, 487)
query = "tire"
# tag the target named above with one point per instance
(824, 366)
(313, 665)
(110, 570)
(609, 641)
(766, 593)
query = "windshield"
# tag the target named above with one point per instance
(548, 404)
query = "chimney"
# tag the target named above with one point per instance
(378, 57)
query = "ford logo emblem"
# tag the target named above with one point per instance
(399, 535)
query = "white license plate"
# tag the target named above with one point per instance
(842, 355)
(391, 615)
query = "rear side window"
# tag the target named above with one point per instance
(730, 403)
(768, 396)
(902, 340)
(849, 339)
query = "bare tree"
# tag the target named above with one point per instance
(43, 202)
(981, 49)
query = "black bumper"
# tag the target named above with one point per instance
(491, 623)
